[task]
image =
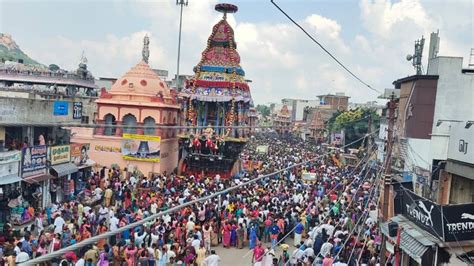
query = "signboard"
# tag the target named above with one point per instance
(60, 108)
(79, 153)
(263, 149)
(424, 213)
(77, 110)
(9, 163)
(461, 143)
(33, 158)
(60, 154)
(105, 148)
(459, 223)
(141, 148)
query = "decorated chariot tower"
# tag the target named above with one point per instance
(216, 102)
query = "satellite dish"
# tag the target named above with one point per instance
(409, 57)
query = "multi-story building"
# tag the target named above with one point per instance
(320, 115)
(433, 187)
(37, 103)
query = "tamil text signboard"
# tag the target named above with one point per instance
(60, 154)
(33, 159)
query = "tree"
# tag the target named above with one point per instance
(354, 123)
(263, 109)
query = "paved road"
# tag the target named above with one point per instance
(242, 257)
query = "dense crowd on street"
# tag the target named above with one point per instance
(281, 219)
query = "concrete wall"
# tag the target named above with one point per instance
(419, 152)
(454, 100)
(23, 110)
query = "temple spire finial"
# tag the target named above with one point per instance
(146, 49)
(226, 8)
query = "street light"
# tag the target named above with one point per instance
(469, 124)
(180, 3)
(440, 121)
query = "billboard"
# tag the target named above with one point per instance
(459, 223)
(79, 153)
(9, 163)
(60, 108)
(60, 154)
(141, 148)
(33, 158)
(77, 110)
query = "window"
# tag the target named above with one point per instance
(109, 122)
(130, 124)
(149, 124)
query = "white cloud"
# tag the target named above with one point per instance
(278, 57)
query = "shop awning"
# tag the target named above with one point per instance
(89, 163)
(9, 179)
(414, 241)
(37, 178)
(65, 169)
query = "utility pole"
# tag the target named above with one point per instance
(180, 3)
(388, 172)
(369, 132)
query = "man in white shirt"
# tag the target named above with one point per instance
(113, 223)
(58, 224)
(213, 259)
(22, 257)
(196, 243)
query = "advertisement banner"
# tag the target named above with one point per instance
(423, 212)
(60, 108)
(141, 148)
(77, 110)
(9, 162)
(79, 153)
(9, 157)
(33, 158)
(459, 223)
(60, 154)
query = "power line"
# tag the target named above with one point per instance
(324, 49)
(153, 217)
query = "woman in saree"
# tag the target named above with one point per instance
(252, 237)
(226, 235)
(240, 236)
(233, 235)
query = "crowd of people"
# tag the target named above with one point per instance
(282, 219)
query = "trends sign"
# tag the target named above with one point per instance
(459, 223)
(423, 213)
(448, 223)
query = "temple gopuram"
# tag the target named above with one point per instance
(216, 102)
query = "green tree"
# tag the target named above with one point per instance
(263, 109)
(354, 123)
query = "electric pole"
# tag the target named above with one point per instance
(388, 172)
(180, 3)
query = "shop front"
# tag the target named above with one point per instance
(35, 182)
(429, 234)
(62, 186)
(80, 158)
(10, 181)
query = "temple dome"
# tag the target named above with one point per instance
(140, 80)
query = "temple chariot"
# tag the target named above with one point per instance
(215, 104)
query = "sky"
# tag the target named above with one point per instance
(371, 37)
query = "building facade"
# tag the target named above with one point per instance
(129, 117)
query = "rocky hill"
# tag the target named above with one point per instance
(10, 51)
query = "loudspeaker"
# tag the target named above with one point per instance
(392, 229)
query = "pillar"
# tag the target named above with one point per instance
(118, 130)
(140, 129)
(100, 130)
